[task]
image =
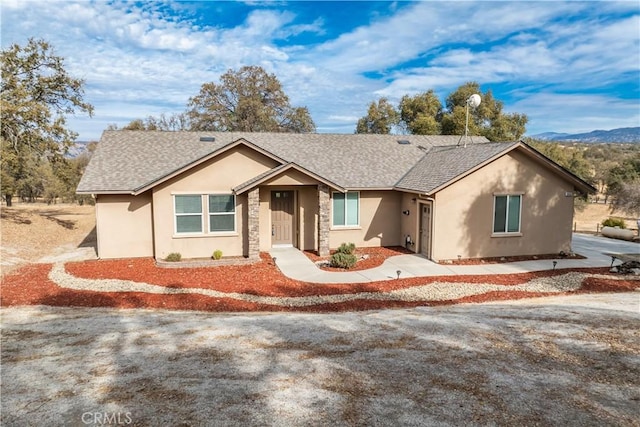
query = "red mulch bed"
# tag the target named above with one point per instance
(375, 257)
(30, 286)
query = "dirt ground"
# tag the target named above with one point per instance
(551, 361)
(37, 232)
(590, 219)
(571, 361)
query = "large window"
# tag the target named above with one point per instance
(189, 212)
(346, 209)
(222, 213)
(506, 216)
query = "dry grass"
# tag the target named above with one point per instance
(592, 216)
(32, 231)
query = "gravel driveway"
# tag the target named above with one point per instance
(550, 361)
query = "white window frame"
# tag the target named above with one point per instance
(210, 214)
(506, 221)
(176, 215)
(205, 214)
(343, 226)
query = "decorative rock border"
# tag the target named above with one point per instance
(436, 291)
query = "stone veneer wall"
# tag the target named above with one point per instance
(323, 219)
(254, 223)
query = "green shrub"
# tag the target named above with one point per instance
(614, 222)
(217, 254)
(173, 257)
(346, 248)
(343, 260)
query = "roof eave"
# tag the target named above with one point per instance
(129, 192)
(413, 191)
(369, 188)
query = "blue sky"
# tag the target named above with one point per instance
(570, 66)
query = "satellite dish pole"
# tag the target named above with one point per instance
(473, 101)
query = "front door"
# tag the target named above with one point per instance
(282, 231)
(425, 230)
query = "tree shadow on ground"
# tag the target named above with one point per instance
(53, 216)
(15, 216)
(447, 366)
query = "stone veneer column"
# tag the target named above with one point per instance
(254, 223)
(323, 219)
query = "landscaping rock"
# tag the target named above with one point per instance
(628, 267)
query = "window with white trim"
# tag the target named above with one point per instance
(188, 210)
(506, 213)
(222, 213)
(346, 209)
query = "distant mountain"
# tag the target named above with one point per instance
(77, 148)
(624, 135)
(549, 136)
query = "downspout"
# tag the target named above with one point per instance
(95, 197)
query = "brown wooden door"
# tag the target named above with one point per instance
(282, 231)
(425, 230)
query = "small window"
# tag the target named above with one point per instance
(222, 213)
(188, 214)
(506, 216)
(346, 209)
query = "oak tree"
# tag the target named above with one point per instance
(380, 119)
(487, 119)
(163, 122)
(622, 182)
(421, 114)
(37, 94)
(250, 100)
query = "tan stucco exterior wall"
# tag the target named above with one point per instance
(463, 212)
(379, 222)
(124, 225)
(410, 224)
(218, 175)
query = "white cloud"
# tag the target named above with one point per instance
(138, 60)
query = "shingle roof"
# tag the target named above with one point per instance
(443, 164)
(262, 175)
(129, 160)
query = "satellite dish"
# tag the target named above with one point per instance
(474, 100)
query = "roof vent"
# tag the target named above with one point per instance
(207, 138)
(404, 142)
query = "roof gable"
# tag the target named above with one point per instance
(442, 166)
(205, 158)
(278, 170)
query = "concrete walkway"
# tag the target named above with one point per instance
(296, 265)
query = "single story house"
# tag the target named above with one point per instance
(242, 193)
